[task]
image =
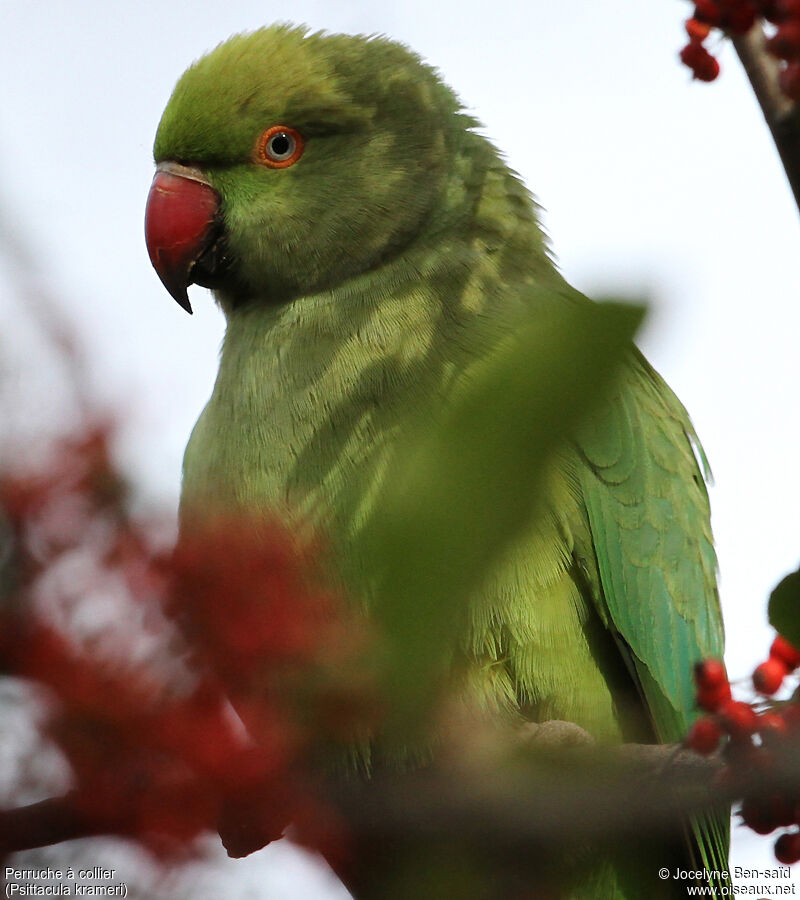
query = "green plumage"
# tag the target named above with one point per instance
(377, 273)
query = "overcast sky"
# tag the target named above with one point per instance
(649, 182)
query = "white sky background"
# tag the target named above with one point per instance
(649, 182)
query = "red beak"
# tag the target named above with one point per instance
(179, 224)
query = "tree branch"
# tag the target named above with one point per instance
(47, 822)
(576, 795)
(533, 799)
(781, 114)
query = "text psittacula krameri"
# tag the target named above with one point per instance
(358, 234)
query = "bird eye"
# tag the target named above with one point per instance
(279, 147)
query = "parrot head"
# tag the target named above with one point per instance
(289, 162)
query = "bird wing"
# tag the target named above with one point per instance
(644, 485)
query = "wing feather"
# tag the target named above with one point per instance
(644, 485)
(647, 503)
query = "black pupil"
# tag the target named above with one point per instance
(281, 144)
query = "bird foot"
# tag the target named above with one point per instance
(555, 733)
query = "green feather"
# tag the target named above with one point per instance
(373, 278)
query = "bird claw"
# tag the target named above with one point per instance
(555, 733)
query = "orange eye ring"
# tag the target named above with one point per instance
(279, 147)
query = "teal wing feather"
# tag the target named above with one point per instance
(648, 509)
(645, 490)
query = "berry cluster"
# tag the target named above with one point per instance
(140, 708)
(737, 17)
(754, 739)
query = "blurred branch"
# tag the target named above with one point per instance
(579, 794)
(47, 822)
(573, 794)
(539, 824)
(781, 114)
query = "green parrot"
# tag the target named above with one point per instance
(367, 247)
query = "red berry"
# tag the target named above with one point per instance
(740, 21)
(757, 815)
(710, 673)
(785, 43)
(768, 677)
(712, 684)
(738, 718)
(708, 71)
(707, 11)
(781, 649)
(697, 31)
(771, 725)
(766, 813)
(703, 65)
(704, 736)
(710, 699)
(787, 848)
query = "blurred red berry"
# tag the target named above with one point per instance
(756, 814)
(704, 736)
(738, 718)
(713, 688)
(708, 11)
(785, 43)
(787, 848)
(771, 725)
(741, 20)
(269, 613)
(703, 65)
(781, 649)
(710, 674)
(768, 677)
(697, 31)
(766, 813)
(711, 699)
